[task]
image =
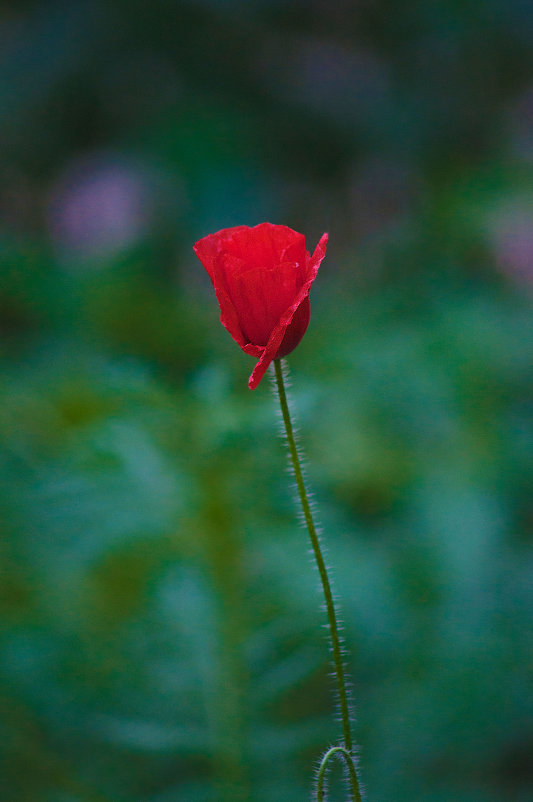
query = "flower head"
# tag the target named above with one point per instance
(262, 277)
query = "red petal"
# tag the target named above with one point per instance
(209, 252)
(273, 346)
(264, 245)
(260, 296)
(296, 329)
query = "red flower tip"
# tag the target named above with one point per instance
(262, 277)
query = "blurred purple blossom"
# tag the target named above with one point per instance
(100, 206)
(347, 84)
(511, 238)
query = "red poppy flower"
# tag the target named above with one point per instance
(262, 277)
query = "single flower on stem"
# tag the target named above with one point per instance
(262, 277)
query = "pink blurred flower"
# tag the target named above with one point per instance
(511, 238)
(100, 206)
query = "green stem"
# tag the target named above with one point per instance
(326, 587)
(335, 751)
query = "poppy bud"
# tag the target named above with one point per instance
(262, 277)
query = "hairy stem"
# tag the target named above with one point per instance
(326, 586)
(335, 751)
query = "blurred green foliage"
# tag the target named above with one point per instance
(161, 634)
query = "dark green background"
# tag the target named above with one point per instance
(161, 636)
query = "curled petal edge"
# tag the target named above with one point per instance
(272, 347)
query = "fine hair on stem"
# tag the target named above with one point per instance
(345, 748)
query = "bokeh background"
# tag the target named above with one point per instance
(162, 636)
